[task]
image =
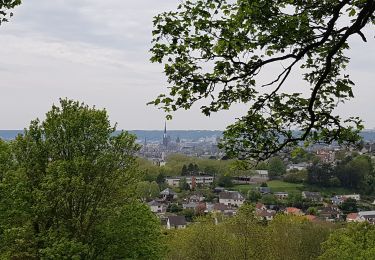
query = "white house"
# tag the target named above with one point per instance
(297, 166)
(173, 181)
(157, 207)
(361, 216)
(176, 222)
(356, 197)
(231, 198)
(281, 195)
(367, 216)
(339, 199)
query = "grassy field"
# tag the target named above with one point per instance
(277, 186)
(274, 185)
(244, 188)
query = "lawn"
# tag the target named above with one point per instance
(274, 185)
(277, 186)
(244, 188)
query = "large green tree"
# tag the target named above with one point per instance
(71, 191)
(276, 167)
(217, 50)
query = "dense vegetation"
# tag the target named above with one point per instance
(352, 172)
(67, 191)
(286, 237)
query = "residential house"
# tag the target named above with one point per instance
(260, 206)
(352, 217)
(297, 166)
(219, 189)
(368, 216)
(209, 207)
(168, 194)
(361, 216)
(190, 205)
(231, 198)
(158, 162)
(313, 196)
(293, 211)
(196, 198)
(176, 222)
(311, 217)
(219, 207)
(157, 207)
(281, 195)
(224, 209)
(329, 213)
(173, 181)
(356, 197)
(265, 214)
(339, 199)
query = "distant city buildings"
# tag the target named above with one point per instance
(157, 151)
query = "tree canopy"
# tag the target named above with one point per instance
(68, 191)
(357, 241)
(217, 50)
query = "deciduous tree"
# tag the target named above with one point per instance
(217, 50)
(357, 241)
(73, 181)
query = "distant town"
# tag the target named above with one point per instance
(192, 191)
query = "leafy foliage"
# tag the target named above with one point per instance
(216, 50)
(357, 241)
(276, 167)
(71, 191)
(355, 173)
(245, 237)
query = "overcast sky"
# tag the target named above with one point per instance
(97, 51)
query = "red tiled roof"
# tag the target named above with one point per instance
(310, 217)
(352, 216)
(292, 210)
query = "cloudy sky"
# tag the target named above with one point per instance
(97, 51)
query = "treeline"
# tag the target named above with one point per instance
(286, 237)
(352, 172)
(68, 191)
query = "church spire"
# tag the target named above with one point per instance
(165, 137)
